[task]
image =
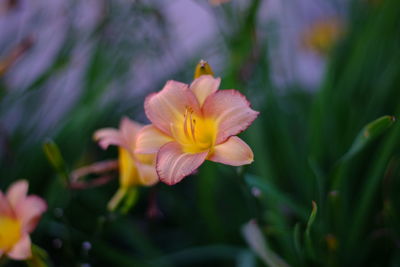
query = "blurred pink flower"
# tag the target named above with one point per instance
(193, 123)
(19, 215)
(134, 169)
(323, 35)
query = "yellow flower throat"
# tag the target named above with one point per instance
(195, 133)
(10, 232)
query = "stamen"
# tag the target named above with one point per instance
(192, 127)
(185, 117)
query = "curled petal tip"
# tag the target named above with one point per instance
(108, 136)
(232, 110)
(233, 152)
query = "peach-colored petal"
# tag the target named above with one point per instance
(17, 192)
(124, 136)
(147, 174)
(5, 207)
(128, 130)
(147, 159)
(107, 137)
(204, 86)
(22, 250)
(29, 211)
(173, 164)
(233, 152)
(100, 168)
(168, 106)
(150, 139)
(232, 112)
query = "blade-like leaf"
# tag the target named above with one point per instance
(270, 190)
(56, 160)
(371, 131)
(255, 239)
(309, 244)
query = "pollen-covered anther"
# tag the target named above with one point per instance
(188, 119)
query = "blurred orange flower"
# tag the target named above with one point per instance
(134, 169)
(193, 123)
(19, 215)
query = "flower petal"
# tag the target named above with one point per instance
(204, 86)
(29, 212)
(233, 152)
(107, 137)
(232, 112)
(128, 130)
(147, 159)
(150, 139)
(147, 174)
(22, 250)
(124, 136)
(17, 192)
(168, 106)
(5, 207)
(173, 164)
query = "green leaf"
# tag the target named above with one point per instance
(124, 199)
(207, 191)
(297, 240)
(254, 237)
(131, 198)
(39, 257)
(311, 219)
(269, 189)
(370, 132)
(371, 186)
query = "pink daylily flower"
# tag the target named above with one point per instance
(191, 124)
(134, 169)
(19, 215)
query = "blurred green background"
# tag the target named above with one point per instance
(322, 73)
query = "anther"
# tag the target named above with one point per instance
(192, 128)
(185, 122)
(188, 116)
